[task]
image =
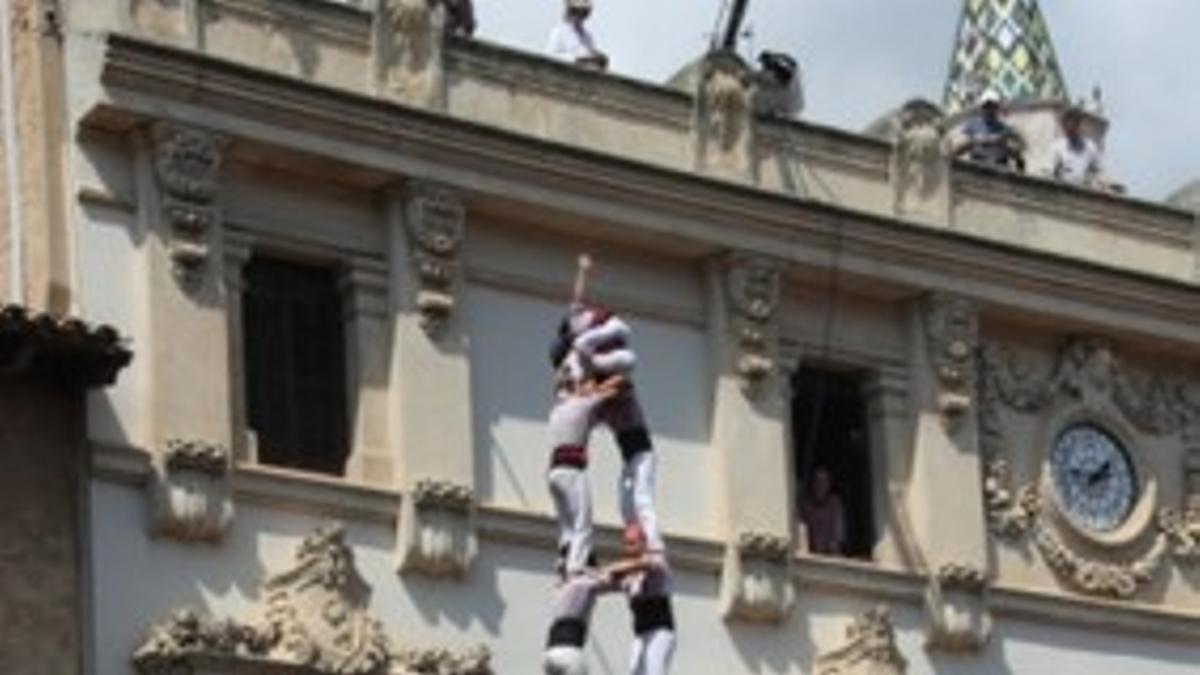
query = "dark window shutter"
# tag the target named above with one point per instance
(295, 365)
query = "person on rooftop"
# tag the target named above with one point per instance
(572, 41)
(779, 94)
(990, 140)
(460, 17)
(1077, 158)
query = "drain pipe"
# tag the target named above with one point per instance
(12, 163)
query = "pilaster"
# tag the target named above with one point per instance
(889, 418)
(750, 430)
(431, 395)
(185, 339)
(948, 516)
(369, 345)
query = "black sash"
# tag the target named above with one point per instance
(651, 614)
(567, 633)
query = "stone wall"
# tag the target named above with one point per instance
(40, 598)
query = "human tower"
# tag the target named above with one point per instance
(593, 365)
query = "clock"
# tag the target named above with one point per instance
(1094, 478)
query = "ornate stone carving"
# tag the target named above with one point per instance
(952, 337)
(756, 582)
(1182, 531)
(869, 649)
(187, 164)
(436, 529)
(1089, 372)
(920, 168)
(313, 616)
(753, 285)
(1097, 577)
(436, 227)
(956, 603)
(724, 124)
(191, 498)
(408, 51)
(1011, 511)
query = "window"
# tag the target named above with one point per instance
(832, 461)
(295, 365)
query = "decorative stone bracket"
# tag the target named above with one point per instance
(407, 48)
(753, 285)
(187, 165)
(436, 530)
(190, 493)
(314, 619)
(724, 119)
(756, 579)
(436, 226)
(920, 165)
(952, 337)
(956, 603)
(869, 649)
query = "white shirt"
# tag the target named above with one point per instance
(571, 41)
(1081, 165)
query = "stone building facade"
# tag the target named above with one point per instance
(433, 193)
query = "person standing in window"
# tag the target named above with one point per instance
(823, 515)
(572, 41)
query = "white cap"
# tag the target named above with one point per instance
(990, 96)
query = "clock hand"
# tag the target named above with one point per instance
(1100, 475)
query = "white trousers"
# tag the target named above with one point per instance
(652, 653)
(564, 660)
(572, 495)
(637, 497)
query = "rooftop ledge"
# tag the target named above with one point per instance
(340, 47)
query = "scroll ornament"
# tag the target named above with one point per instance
(436, 226)
(187, 164)
(869, 649)
(753, 285)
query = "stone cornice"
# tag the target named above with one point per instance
(1129, 216)
(325, 498)
(323, 122)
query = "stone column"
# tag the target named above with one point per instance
(750, 430)
(948, 516)
(369, 345)
(184, 334)
(431, 395)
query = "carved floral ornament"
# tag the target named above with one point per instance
(436, 225)
(753, 285)
(187, 164)
(314, 616)
(190, 495)
(1088, 373)
(765, 547)
(869, 648)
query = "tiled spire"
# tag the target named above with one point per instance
(1003, 45)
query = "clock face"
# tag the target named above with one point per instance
(1094, 478)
